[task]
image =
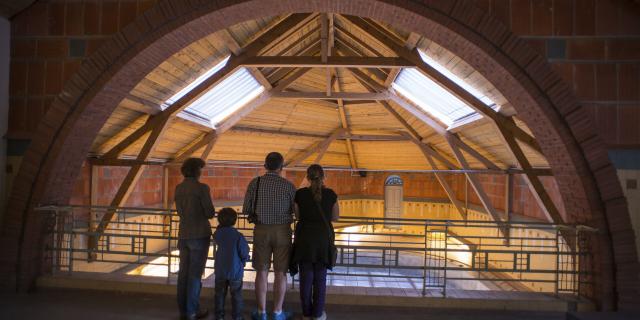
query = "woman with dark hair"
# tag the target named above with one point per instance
(193, 203)
(315, 207)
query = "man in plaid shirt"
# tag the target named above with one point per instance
(273, 206)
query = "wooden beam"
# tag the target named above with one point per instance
(235, 117)
(430, 150)
(345, 124)
(98, 162)
(207, 150)
(477, 187)
(535, 184)
(276, 132)
(412, 56)
(198, 144)
(421, 115)
(284, 83)
(233, 64)
(331, 62)
(148, 106)
(122, 134)
(447, 188)
(323, 145)
(440, 177)
(324, 37)
(130, 179)
(471, 151)
(323, 95)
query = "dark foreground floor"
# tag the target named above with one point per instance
(77, 304)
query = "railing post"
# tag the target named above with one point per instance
(446, 265)
(169, 249)
(576, 264)
(424, 263)
(71, 235)
(557, 274)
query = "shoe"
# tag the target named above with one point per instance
(322, 317)
(201, 314)
(284, 315)
(255, 315)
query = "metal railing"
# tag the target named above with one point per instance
(431, 254)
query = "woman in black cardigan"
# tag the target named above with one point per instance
(313, 240)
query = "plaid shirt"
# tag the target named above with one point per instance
(275, 199)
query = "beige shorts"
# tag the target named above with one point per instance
(271, 239)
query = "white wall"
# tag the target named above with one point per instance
(5, 46)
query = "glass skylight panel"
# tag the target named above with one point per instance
(195, 83)
(222, 100)
(476, 93)
(430, 96)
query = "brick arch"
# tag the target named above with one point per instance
(587, 181)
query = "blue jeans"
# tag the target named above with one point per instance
(193, 257)
(235, 286)
(313, 288)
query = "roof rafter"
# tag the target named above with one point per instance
(499, 119)
(233, 64)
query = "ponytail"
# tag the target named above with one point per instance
(315, 175)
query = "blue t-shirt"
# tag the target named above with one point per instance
(232, 253)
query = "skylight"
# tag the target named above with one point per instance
(220, 101)
(433, 98)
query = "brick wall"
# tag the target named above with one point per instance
(49, 41)
(595, 47)
(230, 184)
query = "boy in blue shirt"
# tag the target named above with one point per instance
(231, 255)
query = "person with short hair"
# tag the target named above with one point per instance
(315, 207)
(271, 197)
(232, 252)
(194, 206)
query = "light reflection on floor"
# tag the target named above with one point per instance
(382, 277)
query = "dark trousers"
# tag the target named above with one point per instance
(235, 286)
(313, 288)
(193, 257)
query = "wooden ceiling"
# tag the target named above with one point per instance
(293, 126)
(328, 99)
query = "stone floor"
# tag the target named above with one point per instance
(97, 305)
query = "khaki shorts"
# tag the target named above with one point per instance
(271, 239)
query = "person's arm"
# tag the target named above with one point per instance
(335, 212)
(247, 206)
(243, 249)
(296, 211)
(205, 200)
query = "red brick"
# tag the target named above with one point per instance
(109, 17)
(36, 78)
(53, 48)
(585, 49)
(35, 15)
(501, 10)
(35, 110)
(56, 18)
(521, 17)
(53, 82)
(607, 122)
(623, 49)
(17, 115)
(565, 70)
(70, 67)
(607, 82)
(91, 18)
(606, 18)
(584, 81)
(144, 5)
(628, 128)
(584, 13)
(128, 12)
(563, 17)
(542, 17)
(75, 18)
(629, 82)
(18, 78)
(23, 48)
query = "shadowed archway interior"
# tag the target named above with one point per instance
(543, 104)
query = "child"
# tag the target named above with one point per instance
(231, 255)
